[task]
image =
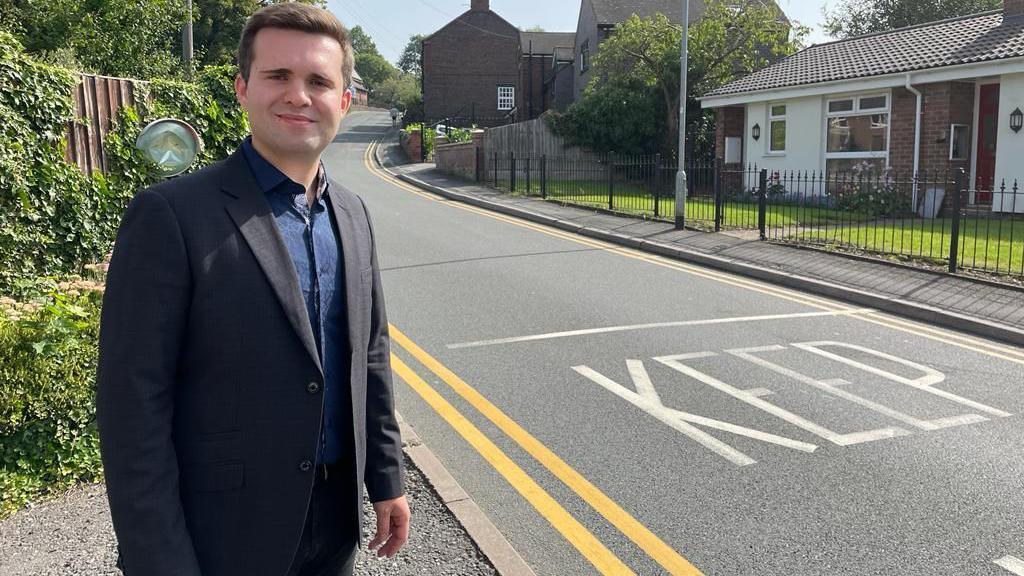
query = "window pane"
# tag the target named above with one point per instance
(960, 143)
(851, 168)
(858, 133)
(779, 110)
(872, 103)
(840, 105)
(778, 140)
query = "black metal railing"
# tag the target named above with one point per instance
(935, 217)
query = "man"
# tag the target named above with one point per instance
(244, 387)
(394, 116)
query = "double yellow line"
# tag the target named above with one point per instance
(572, 530)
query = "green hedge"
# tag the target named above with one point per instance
(53, 218)
(54, 222)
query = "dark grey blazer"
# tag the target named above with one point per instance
(210, 390)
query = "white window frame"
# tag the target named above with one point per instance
(858, 111)
(772, 118)
(506, 100)
(968, 135)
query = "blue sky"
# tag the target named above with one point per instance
(391, 22)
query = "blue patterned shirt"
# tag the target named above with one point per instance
(311, 236)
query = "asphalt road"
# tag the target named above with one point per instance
(615, 413)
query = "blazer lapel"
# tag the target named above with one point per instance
(254, 219)
(350, 251)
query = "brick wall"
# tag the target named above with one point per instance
(412, 144)
(532, 72)
(944, 104)
(459, 159)
(729, 121)
(465, 62)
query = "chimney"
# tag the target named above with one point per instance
(1012, 9)
(485, 5)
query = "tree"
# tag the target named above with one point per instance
(138, 38)
(374, 69)
(401, 90)
(217, 26)
(409, 62)
(726, 43)
(856, 17)
(361, 41)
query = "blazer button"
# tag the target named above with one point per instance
(312, 387)
(305, 465)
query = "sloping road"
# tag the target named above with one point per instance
(614, 412)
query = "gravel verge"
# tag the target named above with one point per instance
(72, 536)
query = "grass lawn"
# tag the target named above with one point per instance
(995, 245)
(633, 199)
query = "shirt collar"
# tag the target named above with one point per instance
(269, 178)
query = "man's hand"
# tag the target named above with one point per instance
(392, 526)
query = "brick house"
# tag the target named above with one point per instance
(360, 95)
(598, 19)
(933, 97)
(480, 68)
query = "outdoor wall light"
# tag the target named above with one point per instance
(756, 131)
(1016, 120)
(171, 144)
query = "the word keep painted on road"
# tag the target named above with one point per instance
(644, 396)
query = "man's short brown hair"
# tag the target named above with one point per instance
(295, 16)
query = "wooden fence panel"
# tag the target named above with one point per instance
(97, 101)
(532, 139)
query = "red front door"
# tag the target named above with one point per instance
(988, 126)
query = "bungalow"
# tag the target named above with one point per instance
(937, 96)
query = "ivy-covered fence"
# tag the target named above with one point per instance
(56, 223)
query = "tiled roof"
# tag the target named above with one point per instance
(965, 40)
(611, 12)
(546, 42)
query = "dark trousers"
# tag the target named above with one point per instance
(330, 536)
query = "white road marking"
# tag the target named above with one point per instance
(1011, 564)
(589, 331)
(929, 377)
(748, 355)
(675, 363)
(646, 398)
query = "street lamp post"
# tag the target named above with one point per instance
(186, 41)
(681, 172)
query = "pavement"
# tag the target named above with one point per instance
(978, 306)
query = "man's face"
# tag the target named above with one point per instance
(295, 95)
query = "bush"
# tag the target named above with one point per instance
(457, 135)
(48, 351)
(53, 221)
(428, 138)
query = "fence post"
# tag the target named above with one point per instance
(657, 184)
(716, 177)
(611, 180)
(954, 232)
(527, 175)
(423, 140)
(479, 165)
(495, 166)
(544, 176)
(512, 172)
(762, 202)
